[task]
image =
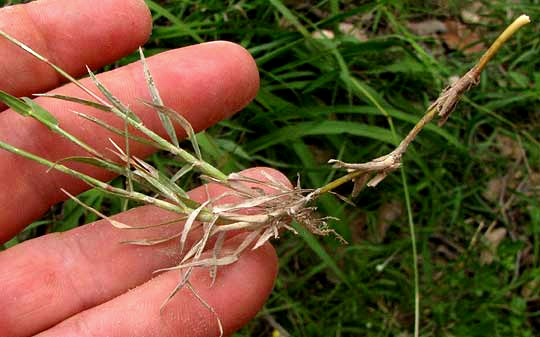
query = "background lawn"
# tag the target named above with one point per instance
(334, 76)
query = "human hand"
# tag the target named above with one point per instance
(75, 283)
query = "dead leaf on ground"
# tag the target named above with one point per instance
(358, 227)
(345, 28)
(428, 27)
(387, 213)
(323, 34)
(470, 14)
(509, 147)
(492, 239)
(530, 289)
(459, 37)
(534, 179)
(352, 30)
(494, 189)
(321, 156)
(446, 252)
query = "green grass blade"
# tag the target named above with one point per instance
(136, 196)
(122, 109)
(322, 111)
(184, 123)
(156, 99)
(52, 65)
(29, 108)
(298, 130)
(15, 103)
(97, 162)
(290, 17)
(39, 113)
(174, 20)
(77, 100)
(115, 130)
(318, 249)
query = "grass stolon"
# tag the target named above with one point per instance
(276, 210)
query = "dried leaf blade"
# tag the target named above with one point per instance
(156, 99)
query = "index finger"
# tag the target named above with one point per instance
(72, 34)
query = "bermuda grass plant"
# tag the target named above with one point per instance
(302, 210)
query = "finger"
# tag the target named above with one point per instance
(48, 279)
(72, 34)
(206, 83)
(238, 294)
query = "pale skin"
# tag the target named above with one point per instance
(76, 283)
